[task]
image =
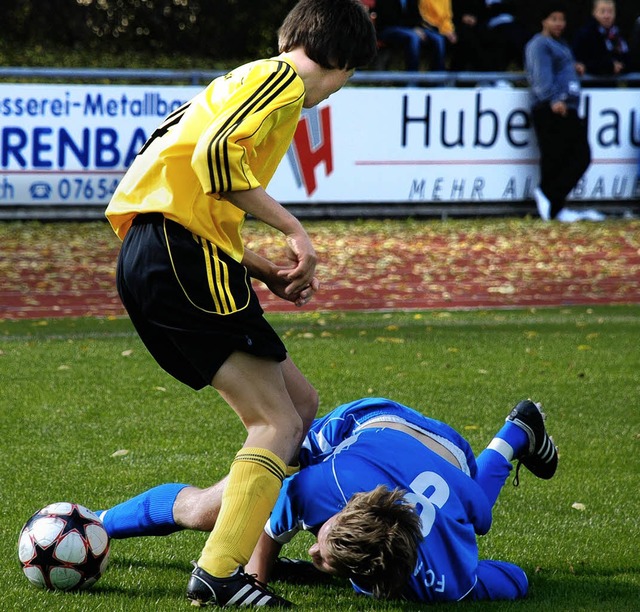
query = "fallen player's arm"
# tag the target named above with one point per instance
(264, 556)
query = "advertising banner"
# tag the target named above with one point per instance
(70, 144)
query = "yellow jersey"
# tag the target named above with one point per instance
(229, 137)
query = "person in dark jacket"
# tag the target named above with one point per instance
(598, 45)
(468, 19)
(634, 47)
(505, 36)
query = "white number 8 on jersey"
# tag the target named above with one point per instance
(428, 491)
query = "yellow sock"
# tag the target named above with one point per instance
(292, 469)
(254, 482)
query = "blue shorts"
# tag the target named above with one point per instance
(191, 303)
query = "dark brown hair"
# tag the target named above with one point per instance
(333, 33)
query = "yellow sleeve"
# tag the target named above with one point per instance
(225, 156)
(439, 14)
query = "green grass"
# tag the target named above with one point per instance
(76, 391)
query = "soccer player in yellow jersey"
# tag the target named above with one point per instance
(184, 274)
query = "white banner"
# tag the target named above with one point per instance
(70, 144)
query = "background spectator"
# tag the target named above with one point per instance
(564, 148)
(634, 47)
(598, 45)
(399, 24)
(505, 37)
(439, 28)
(468, 20)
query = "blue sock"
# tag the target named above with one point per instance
(516, 438)
(147, 514)
(493, 470)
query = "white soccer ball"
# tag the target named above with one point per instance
(64, 547)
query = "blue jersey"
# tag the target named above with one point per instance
(452, 507)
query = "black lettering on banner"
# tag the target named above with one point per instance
(7, 190)
(420, 119)
(619, 187)
(518, 120)
(634, 129)
(478, 186)
(598, 189)
(416, 192)
(580, 188)
(437, 189)
(481, 115)
(457, 189)
(509, 192)
(609, 134)
(459, 142)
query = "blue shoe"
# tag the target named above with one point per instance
(239, 589)
(541, 458)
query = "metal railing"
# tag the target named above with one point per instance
(363, 77)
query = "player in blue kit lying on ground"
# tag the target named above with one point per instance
(396, 500)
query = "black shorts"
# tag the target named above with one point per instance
(191, 304)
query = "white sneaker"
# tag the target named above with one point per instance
(590, 214)
(569, 215)
(543, 204)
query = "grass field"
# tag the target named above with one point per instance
(87, 416)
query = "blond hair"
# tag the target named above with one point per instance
(374, 540)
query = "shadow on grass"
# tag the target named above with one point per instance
(585, 590)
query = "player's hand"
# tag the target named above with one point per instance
(304, 296)
(278, 285)
(300, 275)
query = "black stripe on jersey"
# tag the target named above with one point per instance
(265, 92)
(218, 146)
(218, 155)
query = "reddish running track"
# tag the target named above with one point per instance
(67, 270)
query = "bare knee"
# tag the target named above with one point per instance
(198, 509)
(281, 434)
(290, 430)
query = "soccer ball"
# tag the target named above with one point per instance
(63, 547)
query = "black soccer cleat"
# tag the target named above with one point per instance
(541, 458)
(297, 571)
(239, 589)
